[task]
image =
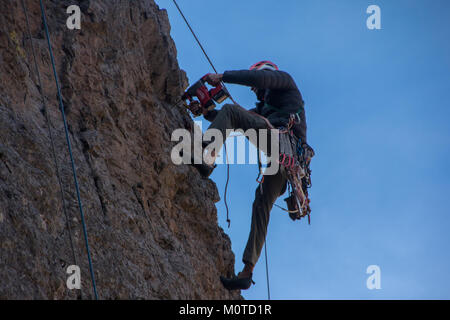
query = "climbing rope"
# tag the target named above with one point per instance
(267, 270)
(228, 165)
(52, 143)
(195, 36)
(224, 145)
(61, 107)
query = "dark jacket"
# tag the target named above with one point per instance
(282, 96)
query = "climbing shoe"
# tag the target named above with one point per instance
(204, 169)
(236, 283)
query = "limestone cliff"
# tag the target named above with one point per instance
(152, 225)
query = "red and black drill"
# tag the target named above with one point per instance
(205, 97)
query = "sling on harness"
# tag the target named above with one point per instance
(295, 156)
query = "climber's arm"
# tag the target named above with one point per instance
(261, 79)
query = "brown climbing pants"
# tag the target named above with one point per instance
(273, 186)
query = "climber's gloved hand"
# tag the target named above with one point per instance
(195, 108)
(213, 79)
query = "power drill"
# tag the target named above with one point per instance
(206, 97)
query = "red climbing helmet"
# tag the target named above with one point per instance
(264, 65)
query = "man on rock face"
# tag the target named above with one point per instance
(278, 99)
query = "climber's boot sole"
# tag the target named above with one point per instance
(236, 283)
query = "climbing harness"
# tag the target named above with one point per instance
(295, 157)
(61, 107)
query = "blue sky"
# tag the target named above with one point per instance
(377, 105)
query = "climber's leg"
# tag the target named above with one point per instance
(229, 117)
(273, 186)
(232, 116)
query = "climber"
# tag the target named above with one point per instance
(278, 98)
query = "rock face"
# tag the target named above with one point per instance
(152, 225)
